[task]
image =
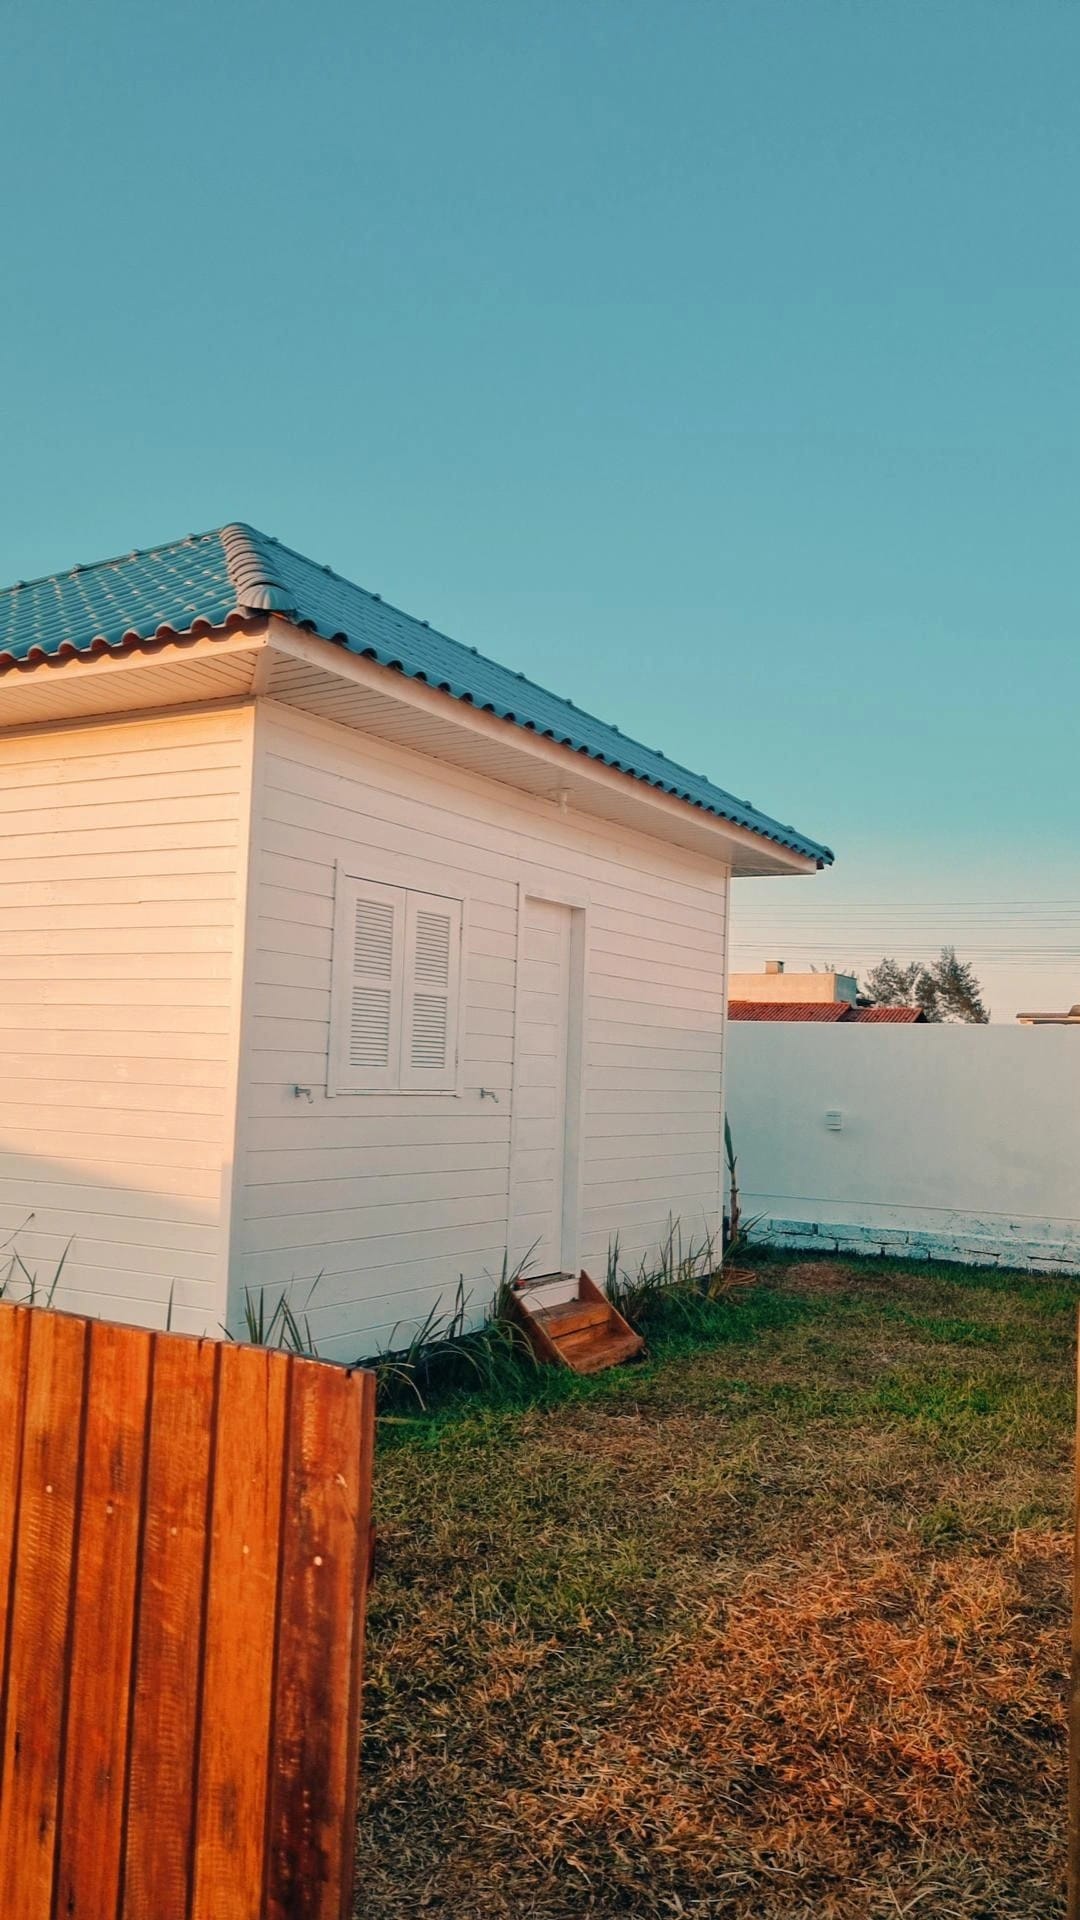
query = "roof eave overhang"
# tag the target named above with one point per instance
(390, 703)
(256, 654)
(165, 671)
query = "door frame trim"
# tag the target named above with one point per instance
(574, 1099)
(577, 902)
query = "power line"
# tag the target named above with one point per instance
(822, 937)
(840, 906)
(1036, 935)
(1000, 916)
(750, 959)
(1061, 912)
(919, 949)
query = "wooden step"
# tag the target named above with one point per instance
(571, 1315)
(576, 1339)
(586, 1333)
(609, 1351)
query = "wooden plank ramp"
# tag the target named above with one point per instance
(569, 1322)
(184, 1530)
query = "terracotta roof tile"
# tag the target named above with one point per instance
(889, 1016)
(823, 1010)
(829, 1012)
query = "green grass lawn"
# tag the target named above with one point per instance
(773, 1624)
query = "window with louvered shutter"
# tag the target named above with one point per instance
(369, 940)
(395, 992)
(432, 961)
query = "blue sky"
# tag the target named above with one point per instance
(715, 363)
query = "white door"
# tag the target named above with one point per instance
(546, 1089)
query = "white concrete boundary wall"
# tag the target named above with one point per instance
(958, 1143)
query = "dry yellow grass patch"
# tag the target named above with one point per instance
(770, 1631)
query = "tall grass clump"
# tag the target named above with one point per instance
(279, 1325)
(22, 1284)
(444, 1355)
(685, 1267)
(689, 1290)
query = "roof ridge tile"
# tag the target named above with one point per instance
(253, 573)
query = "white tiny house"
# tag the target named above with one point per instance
(339, 958)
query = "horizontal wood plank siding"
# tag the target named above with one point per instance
(381, 1202)
(121, 856)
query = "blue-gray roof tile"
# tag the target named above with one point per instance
(213, 580)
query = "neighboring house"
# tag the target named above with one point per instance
(827, 1012)
(777, 986)
(337, 954)
(831, 998)
(1070, 1019)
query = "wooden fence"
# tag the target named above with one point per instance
(1073, 1704)
(183, 1564)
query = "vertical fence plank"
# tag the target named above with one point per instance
(324, 1525)
(183, 1565)
(1073, 1863)
(161, 1802)
(240, 1626)
(101, 1645)
(14, 1341)
(363, 1571)
(41, 1612)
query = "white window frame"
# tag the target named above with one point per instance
(399, 1079)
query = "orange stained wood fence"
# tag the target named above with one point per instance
(1073, 1832)
(183, 1566)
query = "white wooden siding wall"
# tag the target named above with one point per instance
(387, 1199)
(120, 922)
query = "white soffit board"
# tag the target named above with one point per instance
(324, 680)
(196, 673)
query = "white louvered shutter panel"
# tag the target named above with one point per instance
(369, 936)
(429, 1037)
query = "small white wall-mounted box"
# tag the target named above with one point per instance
(834, 1120)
